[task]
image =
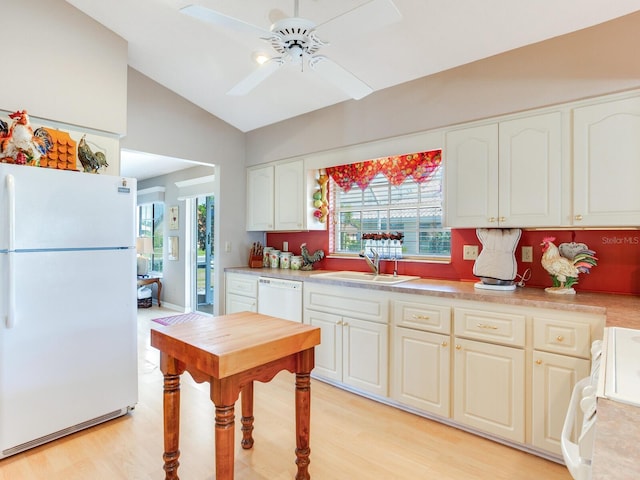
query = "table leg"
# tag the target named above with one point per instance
(303, 417)
(171, 400)
(224, 442)
(246, 395)
(159, 283)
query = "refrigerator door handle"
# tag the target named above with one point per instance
(10, 322)
(11, 194)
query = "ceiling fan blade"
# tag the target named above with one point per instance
(217, 18)
(340, 77)
(364, 18)
(257, 76)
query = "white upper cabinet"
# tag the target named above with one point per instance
(280, 198)
(606, 164)
(530, 171)
(471, 166)
(290, 201)
(506, 174)
(260, 205)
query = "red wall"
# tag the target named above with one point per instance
(618, 252)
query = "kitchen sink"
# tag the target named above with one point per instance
(366, 277)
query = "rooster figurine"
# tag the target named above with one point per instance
(309, 259)
(91, 162)
(565, 264)
(20, 144)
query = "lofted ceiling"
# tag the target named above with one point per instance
(201, 61)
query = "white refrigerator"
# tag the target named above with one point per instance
(68, 337)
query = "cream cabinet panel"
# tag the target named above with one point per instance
(471, 172)
(260, 197)
(553, 379)
(419, 315)
(328, 355)
(355, 335)
(489, 387)
(506, 174)
(564, 337)
(365, 355)
(503, 327)
(241, 293)
(290, 202)
(530, 171)
(421, 370)
(606, 164)
(237, 303)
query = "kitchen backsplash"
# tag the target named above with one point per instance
(618, 253)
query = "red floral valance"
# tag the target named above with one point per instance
(419, 165)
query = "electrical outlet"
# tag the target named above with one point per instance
(527, 254)
(469, 252)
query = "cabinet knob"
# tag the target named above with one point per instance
(444, 344)
(420, 317)
(339, 322)
(492, 219)
(578, 217)
(346, 324)
(458, 347)
(503, 219)
(485, 326)
(538, 362)
(560, 338)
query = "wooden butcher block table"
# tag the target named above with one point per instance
(231, 352)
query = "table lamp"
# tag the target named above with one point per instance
(144, 246)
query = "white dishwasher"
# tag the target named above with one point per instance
(280, 298)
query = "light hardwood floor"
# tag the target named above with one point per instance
(352, 438)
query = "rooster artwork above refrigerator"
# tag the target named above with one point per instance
(68, 343)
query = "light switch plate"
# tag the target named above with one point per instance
(527, 254)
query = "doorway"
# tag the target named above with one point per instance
(203, 275)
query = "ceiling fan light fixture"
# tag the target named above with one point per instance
(260, 57)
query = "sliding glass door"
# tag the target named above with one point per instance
(204, 248)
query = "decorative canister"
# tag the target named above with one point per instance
(266, 262)
(274, 258)
(285, 259)
(296, 262)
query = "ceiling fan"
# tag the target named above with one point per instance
(294, 39)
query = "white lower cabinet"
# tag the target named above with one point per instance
(421, 370)
(241, 293)
(503, 370)
(490, 388)
(365, 355)
(421, 360)
(561, 357)
(553, 378)
(354, 348)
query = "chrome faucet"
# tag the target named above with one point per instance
(374, 264)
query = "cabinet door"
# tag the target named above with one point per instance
(472, 177)
(489, 388)
(328, 355)
(606, 164)
(365, 351)
(421, 370)
(260, 198)
(290, 204)
(530, 171)
(238, 303)
(553, 379)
